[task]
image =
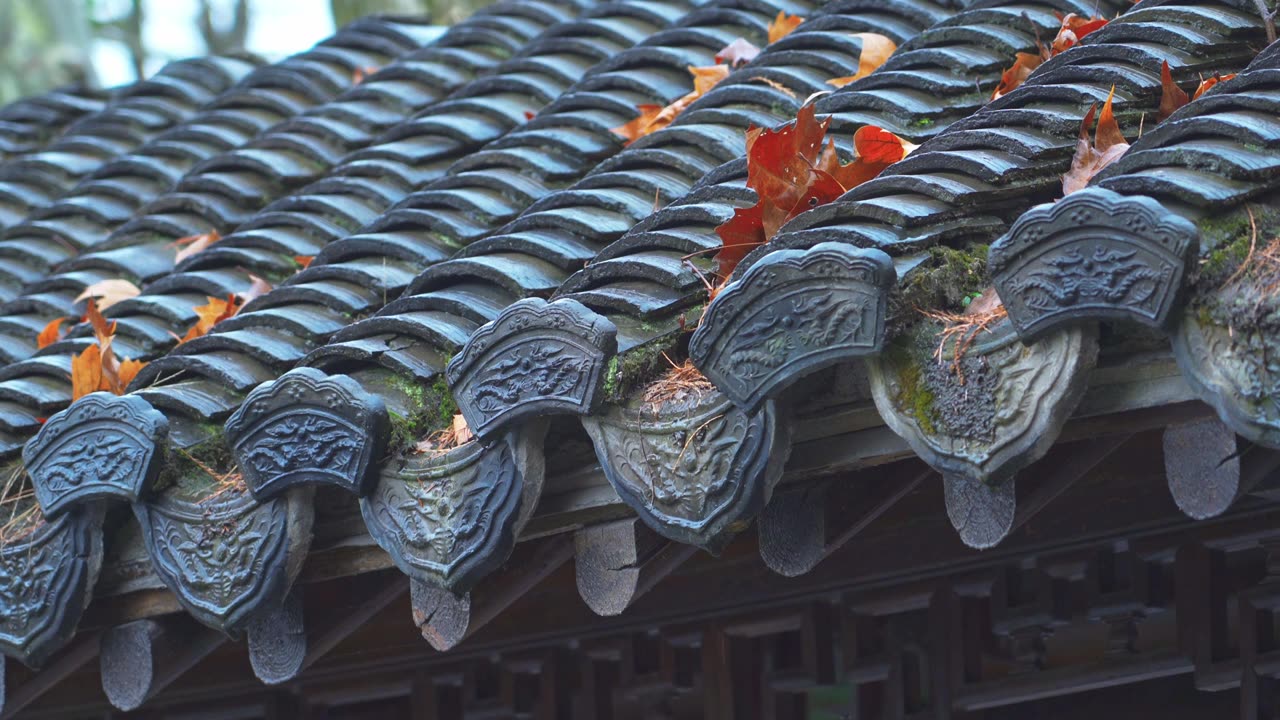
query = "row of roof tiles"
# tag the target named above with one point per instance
(455, 236)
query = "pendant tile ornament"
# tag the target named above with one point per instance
(46, 582)
(226, 556)
(696, 469)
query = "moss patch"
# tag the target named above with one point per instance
(948, 277)
(638, 366)
(914, 396)
(1223, 295)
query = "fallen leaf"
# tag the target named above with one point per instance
(51, 334)
(1074, 29)
(1022, 67)
(1205, 85)
(1172, 97)
(876, 150)
(257, 288)
(782, 25)
(461, 432)
(109, 292)
(738, 52)
(653, 118)
(361, 74)
(1090, 158)
(210, 314)
(304, 261)
(193, 244)
(739, 235)
(775, 85)
(876, 49)
(528, 115)
(86, 372)
(128, 370)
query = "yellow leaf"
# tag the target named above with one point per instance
(109, 292)
(876, 49)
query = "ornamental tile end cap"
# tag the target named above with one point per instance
(103, 446)
(308, 428)
(535, 358)
(791, 314)
(696, 470)
(448, 520)
(1094, 255)
(46, 582)
(226, 558)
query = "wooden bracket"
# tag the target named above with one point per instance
(141, 658)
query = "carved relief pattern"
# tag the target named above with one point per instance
(535, 357)
(448, 519)
(218, 556)
(695, 471)
(46, 580)
(307, 427)
(546, 369)
(101, 446)
(791, 314)
(1033, 390)
(1094, 255)
(1238, 373)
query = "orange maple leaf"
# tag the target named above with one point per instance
(1090, 158)
(51, 333)
(1023, 65)
(876, 49)
(361, 74)
(97, 367)
(193, 244)
(210, 314)
(876, 150)
(304, 261)
(782, 25)
(653, 118)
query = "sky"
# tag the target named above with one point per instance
(276, 29)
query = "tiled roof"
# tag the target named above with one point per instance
(27, 125)
(481, 236)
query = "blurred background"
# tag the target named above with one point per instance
(48, 43)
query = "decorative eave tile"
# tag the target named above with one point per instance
(46, 582)
(536, 358)
(1237, 373)
(305, 428)
(697, 470)
(1094, 255)
(791, 314)
(227, 556)
(103, 446)
(451, 518)
(1017, 399)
